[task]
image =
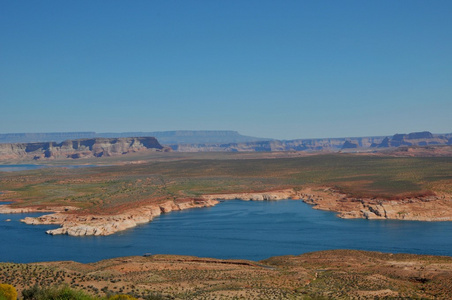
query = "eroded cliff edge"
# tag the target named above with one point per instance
(418, 208)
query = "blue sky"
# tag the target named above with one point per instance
(281, 69)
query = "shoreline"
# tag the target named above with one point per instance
(102, 225)
(430, 208)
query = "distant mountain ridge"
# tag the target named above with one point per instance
(232, 141)
(44, 137)
(424, 138)
(312, 145)
(81, 148)
(192, 136)
(165, 137)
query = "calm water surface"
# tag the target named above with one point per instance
(13, 168)
(232, 229)
(25, 167)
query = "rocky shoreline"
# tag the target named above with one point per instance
(422, 208)
(431, 208)
(428, 208)
(81, 225)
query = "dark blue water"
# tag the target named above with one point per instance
(232, 229)
(13, 168)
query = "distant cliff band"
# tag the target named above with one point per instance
(81, 148)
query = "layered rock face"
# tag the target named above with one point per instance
(72, 149)
(422, 208)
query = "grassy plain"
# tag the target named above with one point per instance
(120, 182)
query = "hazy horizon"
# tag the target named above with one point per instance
(240, 133)
(282, 70)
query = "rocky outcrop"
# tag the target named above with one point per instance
(81, 225)
(422, 208)
(81, 148)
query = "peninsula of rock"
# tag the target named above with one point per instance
(94, 224)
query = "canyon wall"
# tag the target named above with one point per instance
(310, 145)
(72, 149)
(371, 143)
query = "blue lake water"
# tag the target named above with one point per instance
(25, 167)
(13, 168)
(232, 229)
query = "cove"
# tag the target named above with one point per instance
(233, 229)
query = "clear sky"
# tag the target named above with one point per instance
(280, 69)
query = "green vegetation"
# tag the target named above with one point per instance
(52, 293)
(108, 188)
(7, 292)
(66, 293)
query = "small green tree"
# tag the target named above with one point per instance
(8, 292)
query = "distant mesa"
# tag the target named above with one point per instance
(384, 143)
(424, 138)
(81, 148)
(50, 145)
(349, 145)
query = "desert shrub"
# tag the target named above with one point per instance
(122, 297)
(54, 293)
(7, 292)
(156, 296)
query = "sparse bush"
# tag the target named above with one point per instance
(122, 297)
(7, 292)
(155, 296)
(54, 293)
